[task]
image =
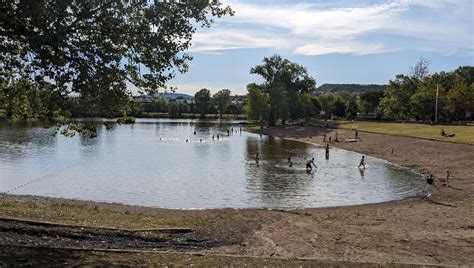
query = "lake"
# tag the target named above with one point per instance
(150, 163)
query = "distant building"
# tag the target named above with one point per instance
(238, 99)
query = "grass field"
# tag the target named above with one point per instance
(464, 134)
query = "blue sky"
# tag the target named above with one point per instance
(338, 41)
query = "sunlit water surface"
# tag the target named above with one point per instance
(150, 163)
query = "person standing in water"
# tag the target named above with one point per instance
(362, 162)
(290, 164)
(257, 159)
(327, 150)
(430, 185)
(308, 164)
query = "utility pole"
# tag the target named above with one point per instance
(436, 106)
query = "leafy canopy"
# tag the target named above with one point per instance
(95, 48)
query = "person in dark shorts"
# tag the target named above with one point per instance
(362, 162)
(257, 159)
(308, 164)
(430, 184)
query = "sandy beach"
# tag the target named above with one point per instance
(412, 231)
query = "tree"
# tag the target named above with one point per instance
(222, 100)
(283, 81)
(183, 108)
(173, 109)
(202, 101)
(460, 100)
(370, 100)
(421, 69)
(397, 97)
(351, 107)
(327, 101)
(258, 103)
(95, 48)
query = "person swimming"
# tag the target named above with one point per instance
(362, 162)
(308, 164)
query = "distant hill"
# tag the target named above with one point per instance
(172, 96)
(351, 88)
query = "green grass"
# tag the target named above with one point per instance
(464, 134)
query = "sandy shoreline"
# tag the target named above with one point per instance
(405, 231)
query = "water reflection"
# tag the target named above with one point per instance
(149, 163)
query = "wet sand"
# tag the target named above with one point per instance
(412, 231)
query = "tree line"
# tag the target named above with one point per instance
(202, 104)
(289, 93)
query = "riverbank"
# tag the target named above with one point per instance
(408, 231)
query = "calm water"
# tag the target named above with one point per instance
(149, 163)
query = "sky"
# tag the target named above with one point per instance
(345, 41)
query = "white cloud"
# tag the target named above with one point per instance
(222, 39)
(345, 47)
(310, 29)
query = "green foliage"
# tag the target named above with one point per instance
(370, 100)
(183, 108)
(202, 101)
(350, 88)
(258, 103)
(221, 100)
(415, 96)
(173, 109)
(352, 107)
(94, 48)
(460, 99)
(284, 81)
(397, 97)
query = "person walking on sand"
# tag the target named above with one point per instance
(362, 162)
(447, 178)
(337, 137)
(308, 164)
(324, 137)
(356, 134)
